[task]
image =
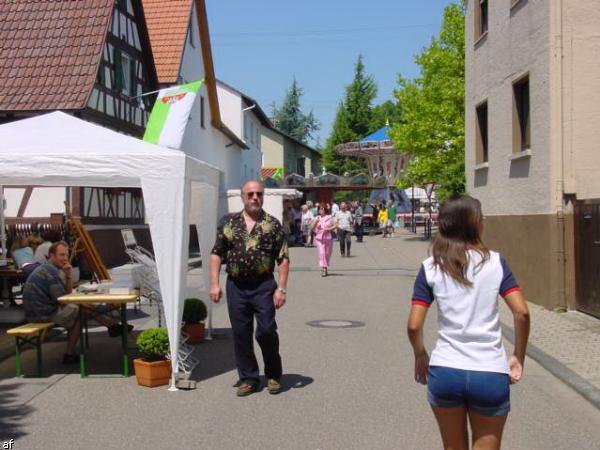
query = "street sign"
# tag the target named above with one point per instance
(429, 189)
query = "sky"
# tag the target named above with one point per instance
(260, 46)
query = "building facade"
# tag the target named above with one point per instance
(183, 54)
(532, 93)
(285, 155)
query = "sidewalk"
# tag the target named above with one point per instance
(566, 344)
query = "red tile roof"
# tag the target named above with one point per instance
(50, 51)
(167, 22)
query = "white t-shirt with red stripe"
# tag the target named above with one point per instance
(469, 332)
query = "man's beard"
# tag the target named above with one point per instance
(252, 208)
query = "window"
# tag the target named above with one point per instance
(124, 72)
(481, 142)
(521, 115)
(481, 18)
(245, 128)
(300, 166)
(202, 112)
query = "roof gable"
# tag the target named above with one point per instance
(167, 22)
(50, 51)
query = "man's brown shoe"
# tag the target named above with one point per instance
(245, 389)
(273, 386)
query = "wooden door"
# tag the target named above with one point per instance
(587, 254)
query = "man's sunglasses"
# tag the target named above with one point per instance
(252, 194)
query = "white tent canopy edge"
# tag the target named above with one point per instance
(57, 149)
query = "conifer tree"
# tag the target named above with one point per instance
(352, 122)
(291, 120)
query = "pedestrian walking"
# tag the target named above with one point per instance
(392, 213)
(344, 222)
(307, 219)
(323, 226)
(468, 375)
(358, 222)
(382, 218)
(251, 242)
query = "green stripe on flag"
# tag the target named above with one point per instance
(156, 121)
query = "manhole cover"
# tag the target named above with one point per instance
(335, 323)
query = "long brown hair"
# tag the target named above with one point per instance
(460, 226)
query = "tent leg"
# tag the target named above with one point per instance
(208, 333)
(173, 388)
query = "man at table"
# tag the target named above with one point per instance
(251, 242)
(40, 298)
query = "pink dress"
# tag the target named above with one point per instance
(324, 239)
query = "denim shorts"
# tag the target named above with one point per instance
(485, 393)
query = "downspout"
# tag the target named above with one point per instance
(560, 184)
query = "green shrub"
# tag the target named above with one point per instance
(153, 343)
(194, 311)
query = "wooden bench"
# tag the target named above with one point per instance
(32, 334)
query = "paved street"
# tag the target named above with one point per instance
(344, 388)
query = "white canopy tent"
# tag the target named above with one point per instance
(57, 149)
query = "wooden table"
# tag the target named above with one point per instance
(83, 300)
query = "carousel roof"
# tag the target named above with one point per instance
(377, 143)
(378, 136)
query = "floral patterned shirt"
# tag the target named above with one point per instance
(250, 256)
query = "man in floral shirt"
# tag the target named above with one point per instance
(250, 243)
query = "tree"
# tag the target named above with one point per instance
(352, 122)
(291, 120)
(432, 130)
(386, 113)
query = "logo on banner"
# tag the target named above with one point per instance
(171, 99)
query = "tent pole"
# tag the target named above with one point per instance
(2, 224)
(173, 387)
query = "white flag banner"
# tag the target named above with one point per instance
(169, 117)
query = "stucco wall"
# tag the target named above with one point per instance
(517, 43)
(272, 148)
(208, 143)
(581, 95)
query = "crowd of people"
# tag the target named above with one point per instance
(319, 224)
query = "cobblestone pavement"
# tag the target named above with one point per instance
(567, 344)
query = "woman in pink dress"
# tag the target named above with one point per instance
(323, 226)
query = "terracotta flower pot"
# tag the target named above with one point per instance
(152, 373)
(195, 333)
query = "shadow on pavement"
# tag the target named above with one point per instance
(216, 356)
(12, 413)
(294, 381)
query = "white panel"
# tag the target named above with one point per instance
(45, 201)
(13, 198)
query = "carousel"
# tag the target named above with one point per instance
(384, 162)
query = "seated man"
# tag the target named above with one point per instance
(40, 299)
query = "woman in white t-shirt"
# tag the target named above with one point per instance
(468, 375)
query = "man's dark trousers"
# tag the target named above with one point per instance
(246, 300)
(359, 231)
(345, 241)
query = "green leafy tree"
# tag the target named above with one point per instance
(432, 129)
(291, 120)
(387, 113)
(352, 122)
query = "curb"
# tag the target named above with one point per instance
(583, 387)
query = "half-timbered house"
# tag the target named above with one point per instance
(90, 58)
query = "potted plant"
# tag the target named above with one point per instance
(154, 369)
(194, 314)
